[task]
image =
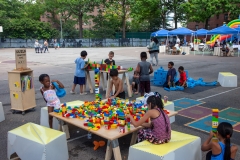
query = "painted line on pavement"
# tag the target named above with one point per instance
(70, 140)
(218, 94)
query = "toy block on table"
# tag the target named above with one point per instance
(32, 141)
(168, 106)
(2, 117)
(227, 79)
(177, 149)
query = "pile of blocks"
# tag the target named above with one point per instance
(159, 77)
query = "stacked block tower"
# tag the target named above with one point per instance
(214, 121)
(160, 76)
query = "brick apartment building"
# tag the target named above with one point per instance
(214, 22)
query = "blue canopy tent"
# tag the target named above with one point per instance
(181, 31)
(223, 30)
(162, 32)
(201, 32)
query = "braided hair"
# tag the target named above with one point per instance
(156, 100)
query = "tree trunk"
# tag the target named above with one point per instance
(206, 23)
(80, 20)
(124, 27)
(123, 20)
(175, 17)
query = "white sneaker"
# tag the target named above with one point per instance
(84, 93)
(72, 92)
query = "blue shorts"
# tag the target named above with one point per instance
(79, 80)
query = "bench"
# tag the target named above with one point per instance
(227, 79)
(181, 147)
(32, 141)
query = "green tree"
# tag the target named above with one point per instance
(79, 8)
(203, 10)
(106, 24)
(178, 10)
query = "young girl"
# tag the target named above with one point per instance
(159, 130)
(49, 94)
(135, 82)
(221, 150)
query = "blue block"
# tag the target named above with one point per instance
(158, 83)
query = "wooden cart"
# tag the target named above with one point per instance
(21, 100)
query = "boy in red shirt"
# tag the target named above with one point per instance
(183, 77)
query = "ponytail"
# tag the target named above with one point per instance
(227, 153)
(225, 130)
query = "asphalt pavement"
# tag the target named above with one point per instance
(59, 64)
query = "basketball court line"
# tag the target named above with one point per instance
(218, 94)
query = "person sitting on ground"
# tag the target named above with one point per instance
(118, 83)
(183, 77)
(135, 82)
(170, 76)
(158, 131)
(223, 149)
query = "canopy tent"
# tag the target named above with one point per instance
(223, 30)
(162, 32)
(201, 32)
(181, 31)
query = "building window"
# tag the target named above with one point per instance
(225, 17)
(217, 16)
(216, 25)
(196, 27)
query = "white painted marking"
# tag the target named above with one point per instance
(70, 140)
(218, 94)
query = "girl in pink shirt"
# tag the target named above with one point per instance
(158, 131)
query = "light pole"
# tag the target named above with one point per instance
(60, 24)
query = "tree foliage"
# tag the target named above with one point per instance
(77, 9)
(203, 10)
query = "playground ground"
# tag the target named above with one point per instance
(59, 64)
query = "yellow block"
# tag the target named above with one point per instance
(178, 140)
(227, 74)
(37, 133)
(75, 103)
(215, 110)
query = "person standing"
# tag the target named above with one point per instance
(154, 50)
(36, 46)
(46, 46)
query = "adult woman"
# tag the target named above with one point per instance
(154, 50)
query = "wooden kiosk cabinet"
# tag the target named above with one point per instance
(22, 92)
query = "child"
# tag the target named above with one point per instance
(183, 77)
(159, 130)
(170, 76)
(41, 47)
(144, 69)
(223, 149)
(79, 77)
(117, 82)
(49, 94)
(110, 60)
(135, 82)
